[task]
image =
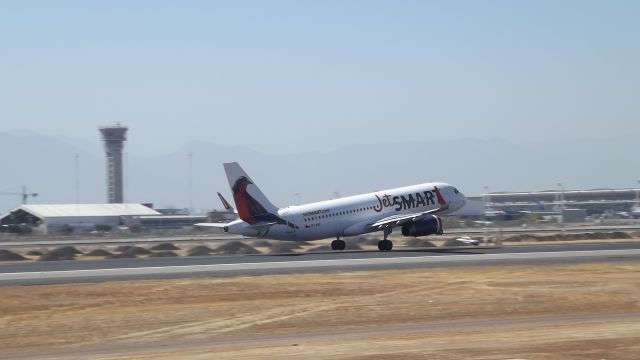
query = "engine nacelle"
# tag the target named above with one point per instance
(428, 225)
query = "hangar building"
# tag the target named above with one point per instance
(49, 219)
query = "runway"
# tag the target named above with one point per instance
(130, 269)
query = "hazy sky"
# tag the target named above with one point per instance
(281, 76)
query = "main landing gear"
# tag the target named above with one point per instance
(338, 244)
(385, 245)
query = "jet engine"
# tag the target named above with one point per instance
(428, 225)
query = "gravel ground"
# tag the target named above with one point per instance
(586, 311)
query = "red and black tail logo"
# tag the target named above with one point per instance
(249, 209)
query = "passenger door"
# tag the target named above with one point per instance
(291, 226)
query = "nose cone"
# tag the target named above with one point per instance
(455, 198)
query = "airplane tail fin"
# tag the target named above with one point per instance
(252, 205)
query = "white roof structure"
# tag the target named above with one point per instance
(73, 210)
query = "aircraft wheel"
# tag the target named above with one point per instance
(385, 245)
(389, 245)
(338, 245)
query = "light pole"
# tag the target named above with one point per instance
(487, 200)
(190, 180)
(561, 202)
(638, 194)
(487, 206)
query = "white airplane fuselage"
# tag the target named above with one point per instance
(353, 215)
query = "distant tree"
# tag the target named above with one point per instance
(20, 229)
(103, 227)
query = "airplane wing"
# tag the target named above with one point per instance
(397, 220)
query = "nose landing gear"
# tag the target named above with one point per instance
(385, 245)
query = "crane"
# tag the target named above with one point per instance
(25, 195)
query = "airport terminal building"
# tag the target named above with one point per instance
(573, 205)
(594, 202)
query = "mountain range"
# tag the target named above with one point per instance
(47, 165)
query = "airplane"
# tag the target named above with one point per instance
(415, 209)
(226, 204)
(468, 240)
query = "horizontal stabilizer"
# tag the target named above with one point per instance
(216, 225)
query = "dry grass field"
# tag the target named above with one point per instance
(586, 311)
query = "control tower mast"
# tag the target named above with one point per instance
(114, 138)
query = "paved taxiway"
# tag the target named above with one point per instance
(118, 241)
(128, 269)
(227, 237)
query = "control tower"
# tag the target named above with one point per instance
(114, 138)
